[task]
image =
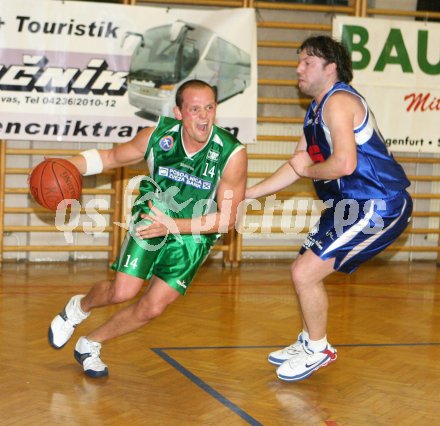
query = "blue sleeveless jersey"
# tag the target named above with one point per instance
(377, 174)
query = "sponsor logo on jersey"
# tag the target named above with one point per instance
(163, 171)
(166, 143)
(213, 155)
(184, 177)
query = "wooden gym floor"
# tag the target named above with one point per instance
(204, 361)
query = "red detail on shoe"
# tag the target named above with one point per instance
(331, 354)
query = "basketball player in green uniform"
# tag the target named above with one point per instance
(197, 178)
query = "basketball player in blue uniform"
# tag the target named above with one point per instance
(197, 178)
(363, 187)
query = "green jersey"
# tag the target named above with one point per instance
(181, 184)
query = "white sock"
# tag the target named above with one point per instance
(77, 305)
(81, 309)
(318, 345)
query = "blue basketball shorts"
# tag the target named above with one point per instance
(354, 231)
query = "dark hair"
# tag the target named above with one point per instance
(331, 51)
(196, 84)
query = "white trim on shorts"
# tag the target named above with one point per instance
(366, 243)
(352, 232)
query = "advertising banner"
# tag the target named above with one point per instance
(97, 72)
(397, 69)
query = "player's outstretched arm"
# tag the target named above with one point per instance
(280, 179)
(94, 161)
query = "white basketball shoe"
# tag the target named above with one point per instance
(278, 357)
(305, 363)
(63, 325)
(87, 353)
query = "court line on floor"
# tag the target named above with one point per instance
(348, 345)
(204, 386)
(226, 402)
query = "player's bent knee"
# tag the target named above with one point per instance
(147, 313)
(299, 274)
(124, 288)
(120, 295)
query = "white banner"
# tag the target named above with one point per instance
(97, 72)
(397, 68)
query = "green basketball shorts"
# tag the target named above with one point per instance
(175, 260)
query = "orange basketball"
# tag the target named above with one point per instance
(53, 181)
